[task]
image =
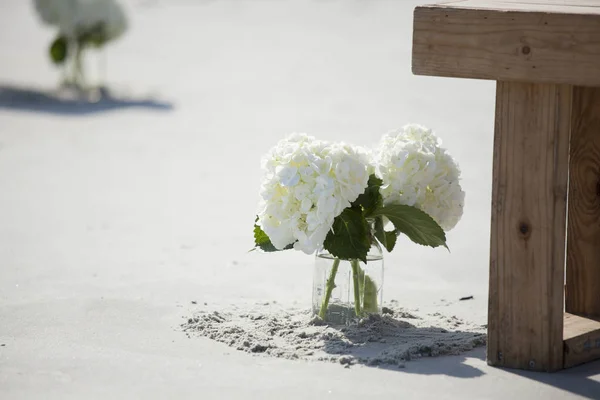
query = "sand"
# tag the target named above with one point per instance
(115, 216)
(390, 339)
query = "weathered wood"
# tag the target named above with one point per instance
(542, 41)
(546, 6)
(583, 232)
(531, 149)
(545, 55)
(582, 340)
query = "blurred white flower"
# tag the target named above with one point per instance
(55, 12)
(416, 171)
(75, 18)
(306, 184)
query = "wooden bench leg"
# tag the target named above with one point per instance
(528, 233)
(582, 337)
(583, 242)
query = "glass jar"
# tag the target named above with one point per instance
(345, 290)
(84, 69)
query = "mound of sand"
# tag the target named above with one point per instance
(388, 340)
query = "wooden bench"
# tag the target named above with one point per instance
(545, 57)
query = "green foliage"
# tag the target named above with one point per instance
(414, 223)
(59, 50)
(262, 241)
(387, 239)
(349, 237)
(368, 292)
(95, 36)
(371, 199)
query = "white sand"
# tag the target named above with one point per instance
(114, 218)
(389, 340)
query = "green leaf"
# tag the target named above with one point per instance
(59, 50)
(387, 239)
(368, 290)
(371, 198)
(349, 236)
(414, 223)
(94, 36)
(262, 241)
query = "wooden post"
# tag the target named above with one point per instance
(545, 56)
(583, 242)
(531, 152)
(582, 336)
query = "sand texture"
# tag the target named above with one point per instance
(390, 339)
(115, 215)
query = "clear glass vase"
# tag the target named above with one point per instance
(84, 69)
(346, 290)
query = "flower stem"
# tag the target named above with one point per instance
(78, 68)
(330, 285)
(355, 272)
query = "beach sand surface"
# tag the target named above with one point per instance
(115, 216)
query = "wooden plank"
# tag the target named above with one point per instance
(525, 319)
(489, 42)
(583, 231)
(582, 340)
(545, 6)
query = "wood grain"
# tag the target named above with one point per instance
(480, 39)
(545, 6)
(582, 340)
(525, 326)
(583, 232)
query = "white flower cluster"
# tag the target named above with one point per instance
(416, 171)
(307, 183)
(76, 17)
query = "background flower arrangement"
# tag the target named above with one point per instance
(81, 24)
(343, 199)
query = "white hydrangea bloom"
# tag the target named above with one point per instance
(417, 171)
(55, 12)
(74, 17)
(306, 184)
(107, 12)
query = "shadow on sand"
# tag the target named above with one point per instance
(581, 380)
(575, 380)
(578, 380)
(68, 103)
(384, 342)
